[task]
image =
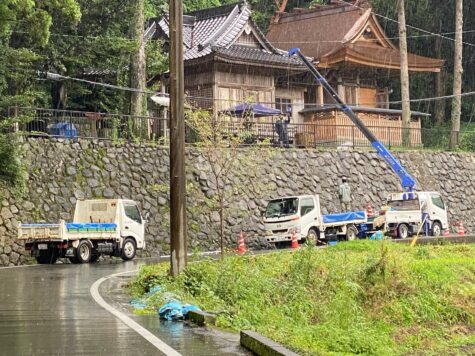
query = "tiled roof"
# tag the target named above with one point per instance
(243, 54)
(216, 30)
(334, 34)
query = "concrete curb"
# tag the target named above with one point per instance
(201, 318)
(263, 346)
(454, 239)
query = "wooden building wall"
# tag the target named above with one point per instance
(336, 126)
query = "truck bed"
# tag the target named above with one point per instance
(351, 217)
(67, 231)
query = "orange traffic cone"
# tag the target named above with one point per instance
(242, 246)
(446, 232)
(369, 210)
(460, 229)
(295, 242)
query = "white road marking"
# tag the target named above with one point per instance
(147, 335)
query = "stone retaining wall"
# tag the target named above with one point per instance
(60, 172)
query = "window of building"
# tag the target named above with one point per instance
(283, 104)
(132, 212)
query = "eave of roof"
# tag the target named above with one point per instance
(244, 55)
(379, 57)
(364, 109)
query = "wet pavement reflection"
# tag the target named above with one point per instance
(48, 310)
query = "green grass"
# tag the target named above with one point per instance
(374, 298)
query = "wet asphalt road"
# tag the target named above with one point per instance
(48, 310)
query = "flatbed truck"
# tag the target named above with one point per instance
(111, 227)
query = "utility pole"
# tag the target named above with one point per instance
(177, 142)
(406, 105)
(137, 68)
(458, 71)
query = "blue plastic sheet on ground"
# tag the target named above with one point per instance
(137, 304)
(343, 217)
(174, 310)
(141, 303)
(378, 235)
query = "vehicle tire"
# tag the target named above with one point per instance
(74, 260)
(312, 236)
(47, 258)
(94, 258)
(403, 231)
(436, 229)
(84, 251)
(129, 249)
(351, 233)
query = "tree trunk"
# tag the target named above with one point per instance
(221, 232)
(137, 67)
(406, 104)
(439, 110)
(58, 95)
(458, 70)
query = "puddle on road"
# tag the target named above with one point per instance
(184, 337)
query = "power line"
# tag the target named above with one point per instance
(409, 26)
(372, 40)
(115, 38)
(55, 76)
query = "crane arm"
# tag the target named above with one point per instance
(407, 181)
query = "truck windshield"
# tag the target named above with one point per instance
(282, 207)
(404, 205)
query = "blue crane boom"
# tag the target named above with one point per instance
(407, 181)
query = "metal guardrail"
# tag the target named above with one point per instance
(92, 125)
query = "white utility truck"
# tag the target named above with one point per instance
(302, 215)
(401, 218)
(112, 227)
(406, 213)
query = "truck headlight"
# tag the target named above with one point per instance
(296, 229)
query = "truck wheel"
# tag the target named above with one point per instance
(312, 236)
(403, 231)
(351, 233)
(128, 249)
(48, 258)
(436, 229)
(84, 251)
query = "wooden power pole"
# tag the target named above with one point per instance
(177, 142)
(458, 70)
(406, 104)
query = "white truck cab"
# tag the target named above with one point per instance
(302, 215)
(112, 227)
(406, 212)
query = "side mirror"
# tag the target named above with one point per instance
(263, 214)
(146, 216)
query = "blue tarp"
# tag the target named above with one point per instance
(91, 227)
(343, 217)
(257, 110)
(174, 310)
(63, 129)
